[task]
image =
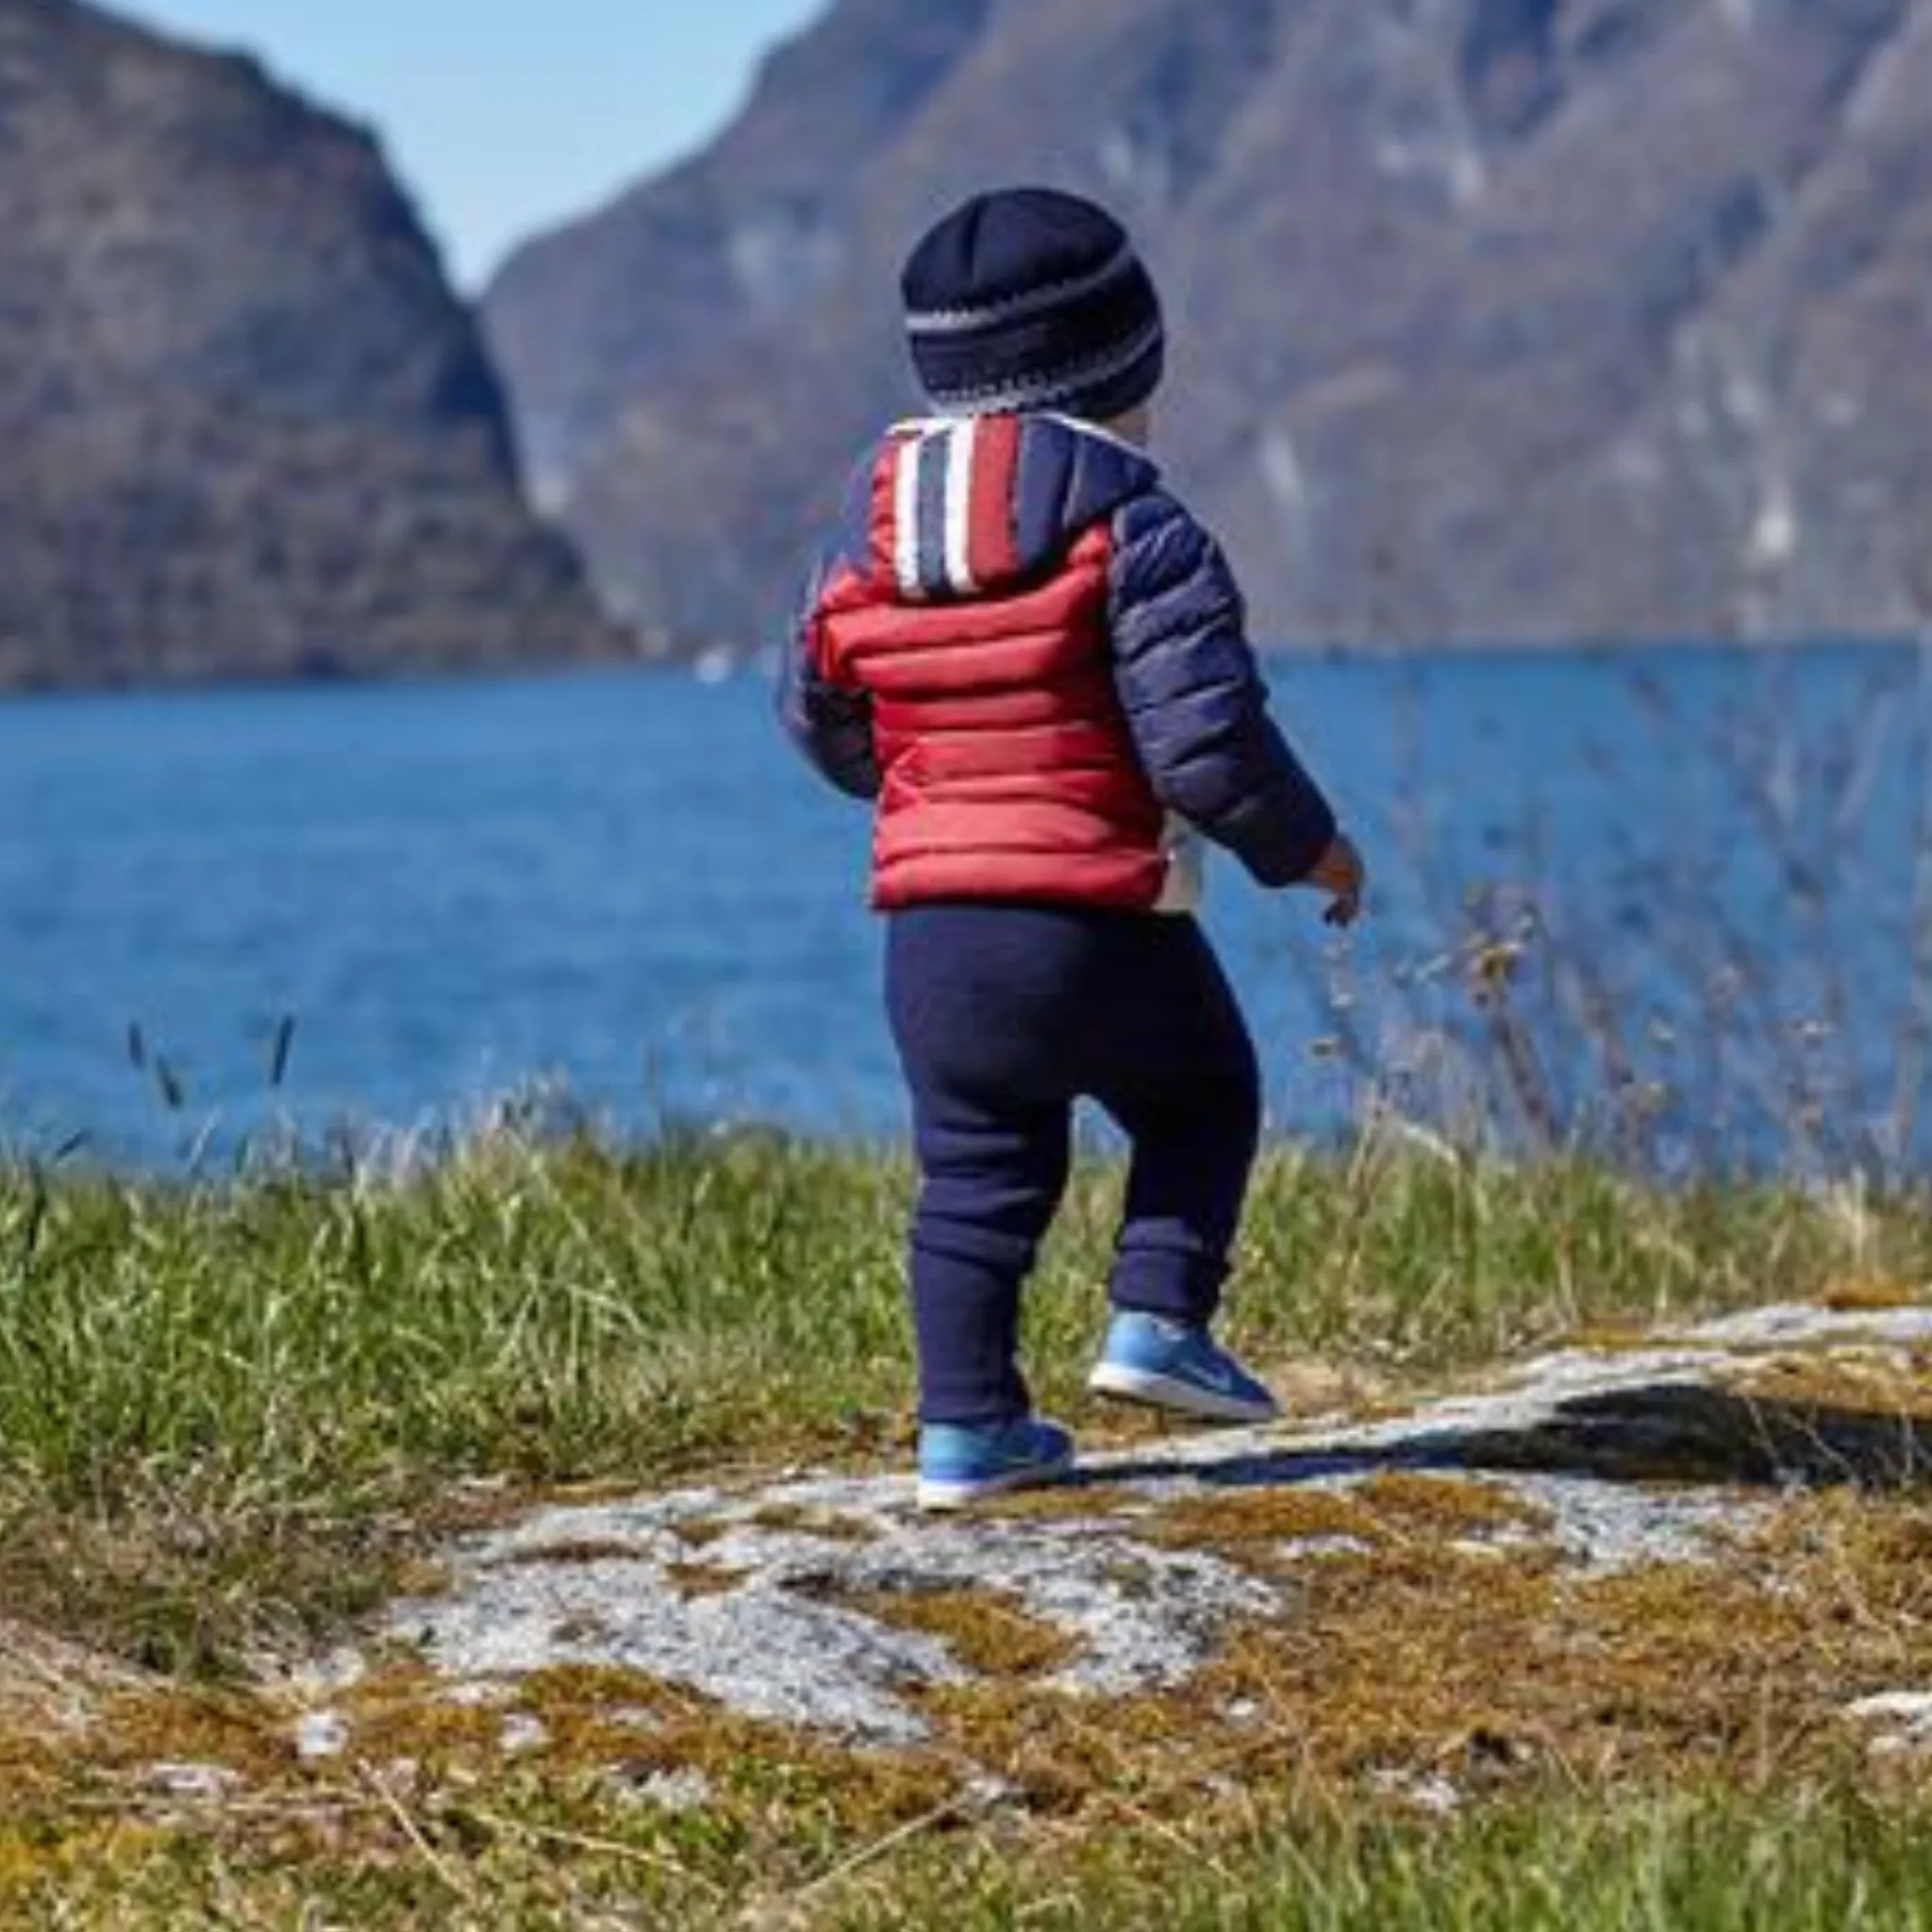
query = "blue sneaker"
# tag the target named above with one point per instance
(1177, 1366)
(959, 1464)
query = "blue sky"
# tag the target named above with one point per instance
(504, 116)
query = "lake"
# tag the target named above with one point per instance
(1674, 901)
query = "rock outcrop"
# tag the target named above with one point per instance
(249, 430)
(799, 1602)
(1496, 320)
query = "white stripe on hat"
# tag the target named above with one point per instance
(961, 439)
(1007, 308)
(905, 516)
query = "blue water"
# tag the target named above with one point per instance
(624, 886)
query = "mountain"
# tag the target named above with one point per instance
(248, 429)
(1493, 320)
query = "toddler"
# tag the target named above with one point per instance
(1034, 660)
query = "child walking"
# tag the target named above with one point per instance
(1034, 660)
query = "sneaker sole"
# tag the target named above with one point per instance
(1153, 1390)
(936, 1494)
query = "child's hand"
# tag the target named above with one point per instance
(1340, 873)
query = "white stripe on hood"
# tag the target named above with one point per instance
(961, 438)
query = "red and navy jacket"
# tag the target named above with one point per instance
(1030, 655)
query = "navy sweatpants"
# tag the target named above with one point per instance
(1003, 1015)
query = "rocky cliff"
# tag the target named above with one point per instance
(1496, 320)
(247, 428)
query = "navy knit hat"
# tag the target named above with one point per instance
(1030, 299)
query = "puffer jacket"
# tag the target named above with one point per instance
(1034, 658)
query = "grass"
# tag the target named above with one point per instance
(233, 1418)
(1703, 1861)
(1685, 1865)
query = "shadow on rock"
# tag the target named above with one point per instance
(1666, 1432)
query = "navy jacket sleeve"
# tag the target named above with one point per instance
(1194, 699)
(831, 726)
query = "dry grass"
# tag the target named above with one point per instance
(984, 1630)
(1409, 1660)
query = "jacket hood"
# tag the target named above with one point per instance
(963, 507)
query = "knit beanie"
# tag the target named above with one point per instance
(1026, 299)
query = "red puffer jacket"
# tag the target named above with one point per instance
(1030, 655)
